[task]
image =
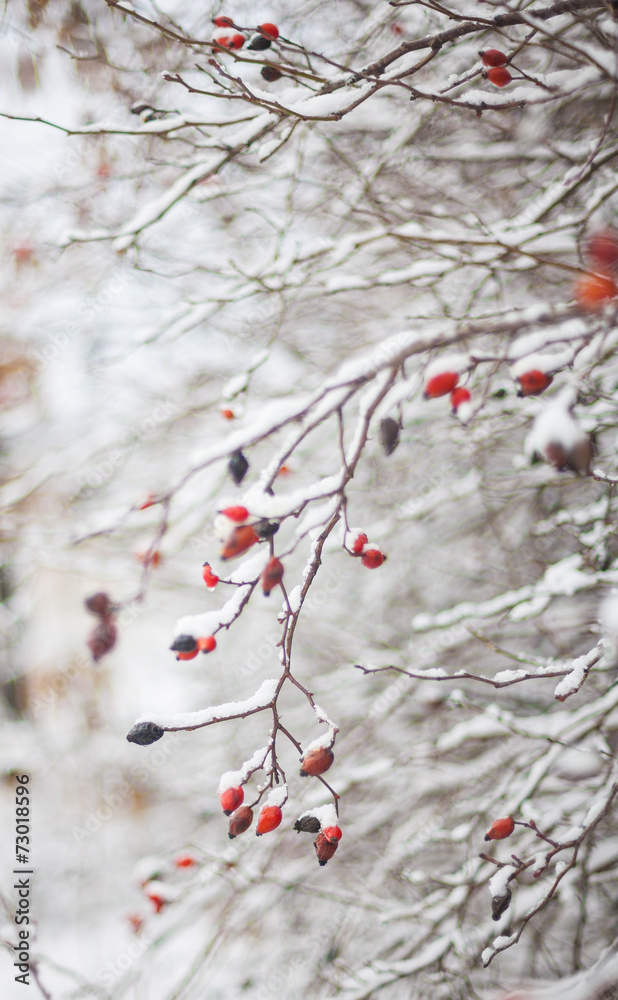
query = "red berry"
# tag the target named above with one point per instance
(602, 250)
(493, 57)
(359, 544)
(207, 644)
(228, 414)
(237, 41)
(210, 579)
(157, 900)
(185, 861)
(231, 799)
(533, 383)
(592, 291)
(239, 541)
(325, 848)
(500, 829)
(459, 396)
(441, 385)
(372, 558)
(332, 833)
(189, 655)
(237, 513)
(269, 819)
(270, 30)
(223, 22)
(272, 575)
(316, 762)
(499, 76)
(240, 821)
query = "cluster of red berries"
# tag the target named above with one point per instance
(229, 36)
(327, 840)
(497, 73)
(103, 636)
(595, 289)
(371, 558)
(445, 383)
(241, 816)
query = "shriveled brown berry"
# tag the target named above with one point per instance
(240, 821)
(316, 762)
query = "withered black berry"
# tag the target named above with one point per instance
(145, 733)
(184, 644)
(265, 528)
(238, 466)
(258, 43)
(389, 435)
(307, 824)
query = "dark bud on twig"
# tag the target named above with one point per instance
(99, 604)
(238, 466)
(325, 848)
(184, 644)
(389, 435)
(265, 528)
(307, 824)
(145, 733)
(271, 73)
(258, 43)
(102, 638)
(500, 903)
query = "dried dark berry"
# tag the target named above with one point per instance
(265, 528)
(500, 903)
(238, 466)
(271, 73)
(99, 603)
(102, 638)
(184, 644)
(389, 435)
(145, 733)
(258, 43)
(307, 824)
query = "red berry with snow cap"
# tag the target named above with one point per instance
(207, 644)
(359, 544)
(372, 558)
(231, 799)
(269, 819)
(440, 385)
(270, 30)
(236, 513)
(316, 762)
(500, 829)
(459, 396)
(493, 57)
(332, 833)
(534, 382)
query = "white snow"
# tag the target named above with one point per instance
(218, 713)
